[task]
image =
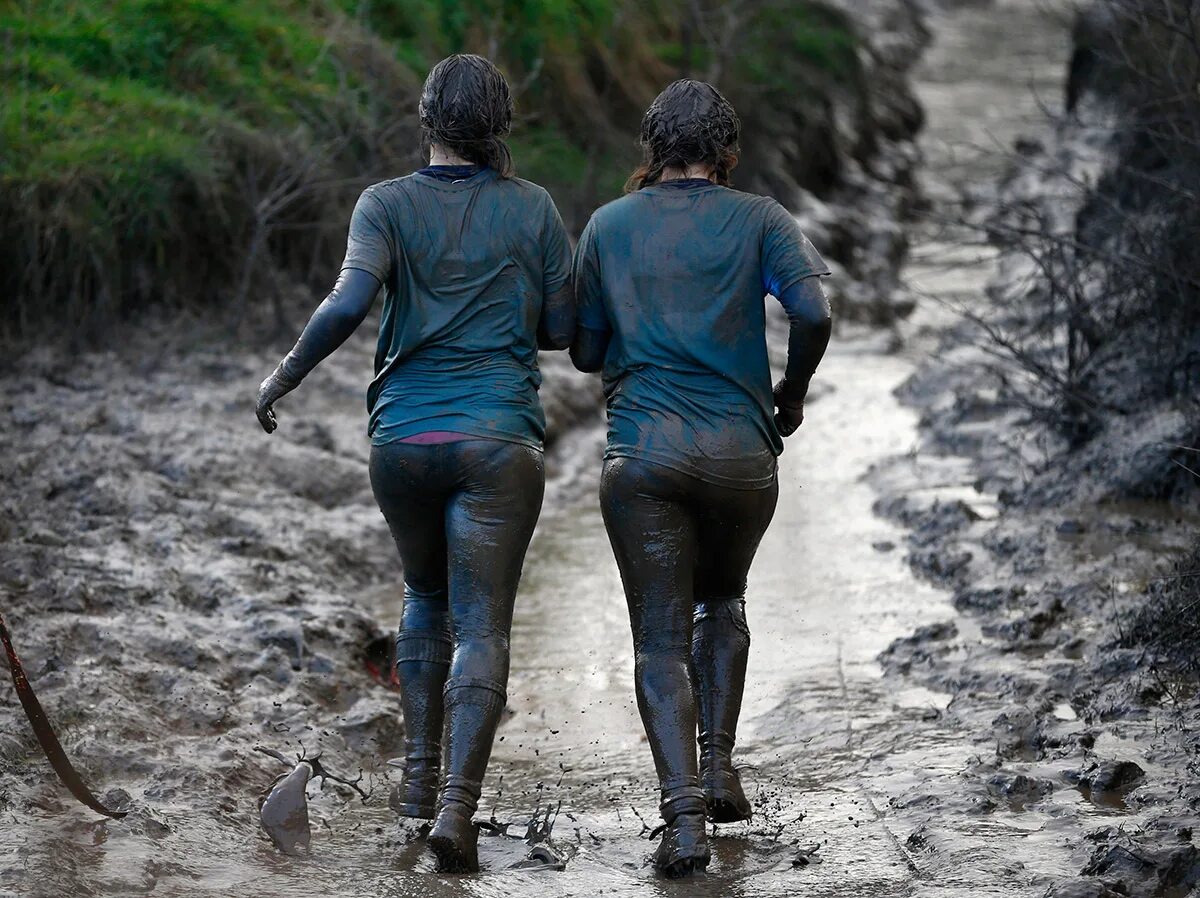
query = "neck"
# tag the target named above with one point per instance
(697, 170)
(439, 155)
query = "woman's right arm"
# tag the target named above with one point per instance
(370, 254)
(593, 330)
(335, 319)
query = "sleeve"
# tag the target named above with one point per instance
(369, 245)
(589, 298)
(556, 250)
(786, 254)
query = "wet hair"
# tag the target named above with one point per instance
(688, 123)
(467, 108)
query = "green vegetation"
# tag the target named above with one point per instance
(189, 151)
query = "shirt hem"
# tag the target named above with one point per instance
(737, 483)
(473, 434)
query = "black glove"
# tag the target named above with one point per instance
(789, 413)
(270, 391)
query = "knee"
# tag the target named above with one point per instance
(482, 658)
(720, 612)
(425, 608)
(660, 655)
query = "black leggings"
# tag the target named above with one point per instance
(462, 515)
(684, 547)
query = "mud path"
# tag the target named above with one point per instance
(285, 561)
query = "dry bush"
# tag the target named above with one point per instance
(1107, 323)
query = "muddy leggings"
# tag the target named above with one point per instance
(684, 547)
(462, 515)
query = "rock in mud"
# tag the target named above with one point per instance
(1133, 869)
(806, 855)
(284, 812)
(1018, 734)
(1019, 789)
(541, 857)
(983, 600)
(920, 649)
(1109, 776)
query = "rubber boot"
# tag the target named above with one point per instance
(454, 838)
(473, 709)
(720, 651)
(422, 662)
(684, 846)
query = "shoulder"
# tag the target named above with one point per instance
(523, 191)
(390, 186)
(386, 193)
(754, 202)
(615, 211)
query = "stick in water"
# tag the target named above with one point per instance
(45, 733)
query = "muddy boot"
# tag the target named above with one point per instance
(473, 709)
(720, 651)
(422, 661)
(722, 786)
(454, 838)
(684, 846)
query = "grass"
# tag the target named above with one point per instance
(138, 138)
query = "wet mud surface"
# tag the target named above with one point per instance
(1083, 776)
(917, 722)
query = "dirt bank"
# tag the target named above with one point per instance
(1084, 740)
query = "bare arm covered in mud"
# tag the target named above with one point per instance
(329, 327)
(811, 323)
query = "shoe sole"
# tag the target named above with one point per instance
(725, 810)
(450, 858)
(685, 866)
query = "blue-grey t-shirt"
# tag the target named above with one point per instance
(465, 265)
(677, 273)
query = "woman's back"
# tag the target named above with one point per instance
(465, 266)
(678, 272)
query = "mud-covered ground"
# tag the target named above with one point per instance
(1082, 743)
(184, 588)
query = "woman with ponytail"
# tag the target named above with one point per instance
(669, 284)
(474, 265)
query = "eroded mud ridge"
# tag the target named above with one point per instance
(1083, 778)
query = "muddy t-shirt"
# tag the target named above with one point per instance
(677, 274)
(465, 265)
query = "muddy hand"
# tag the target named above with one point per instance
(789, 413)
(276, 386)
(788, 417)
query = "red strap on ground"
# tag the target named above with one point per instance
(45, 733)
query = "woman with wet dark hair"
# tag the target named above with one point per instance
(669, 285)
(475, 269)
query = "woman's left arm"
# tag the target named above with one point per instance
(792, 271)
(810, 324)
(556, 326)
